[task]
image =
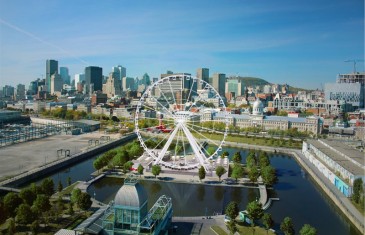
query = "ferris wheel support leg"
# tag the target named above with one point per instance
(167, 145)
(196, 149)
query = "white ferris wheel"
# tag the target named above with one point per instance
(174, 123)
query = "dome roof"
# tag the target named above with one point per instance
(258, 104)
(132, 195)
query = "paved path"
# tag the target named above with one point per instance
(202, 224)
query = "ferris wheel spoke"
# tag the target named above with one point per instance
(167, 145)
(183, 142)
(163, 107)
(205, 137)
(172, 92)
(204, 128)
(154, 109)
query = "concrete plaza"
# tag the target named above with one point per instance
(25, 156)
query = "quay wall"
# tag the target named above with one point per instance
(65, 162)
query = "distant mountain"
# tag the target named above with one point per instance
(252, 81)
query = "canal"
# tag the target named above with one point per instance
(300, 197)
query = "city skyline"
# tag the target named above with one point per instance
(303, 44)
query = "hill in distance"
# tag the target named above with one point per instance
(253, 81)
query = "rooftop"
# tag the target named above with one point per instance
(347, 150)
(341, 160)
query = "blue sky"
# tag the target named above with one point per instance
(302, 43)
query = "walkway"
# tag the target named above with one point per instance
(84, 185)
(202, 224)
(9, 189)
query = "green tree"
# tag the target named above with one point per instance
(70, 210)
(47, 187)
(267, 221)
(127, 166)
(34, 227)
(156, 170)
(201, 173)
(237, 158)
(24, 214)
(69, 182)
(308, 230)
(287, 226)
(251, 161)
(35, 189)
(263, 159)
(253, 174)
(254, 211)
(41, 204)
(3, 213)
(268, 175)
(11, 226)
(140, 169)
(60, 186)
(232, 210)
(11, 202)
(27, 195)
(98, 164)
(220, 170)
(232, 227)
(75, 195)
(84, 202)
(135, 151)
(358, 190)
(225, 154)
(237, 172)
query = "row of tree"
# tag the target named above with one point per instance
(119, 157)
(358, 196)
(259, 164)
(255, 213)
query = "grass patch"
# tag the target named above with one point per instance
(218, 230)
(68, 190)
(254, 140)
(253, 230)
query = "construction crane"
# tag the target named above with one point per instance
(354, 61)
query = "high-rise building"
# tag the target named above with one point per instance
(112, 86)
(65, 75)
(51, 68)
(8, 91)
(119, 72)
(128, 84)
(219, 83)
(349, 88)
(145, 80)
(236, 86)
(56, 83)
(20, 91)
(203, 73)
(79, 78)
(93, 79)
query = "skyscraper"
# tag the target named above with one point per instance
(119, 72)
(56, 83)
(79, 78)
(93, 78)
(20, 91)
(219, 83)
(65, 75)
(203, 73)
(51, 68)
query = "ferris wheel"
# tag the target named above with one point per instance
(174, 123)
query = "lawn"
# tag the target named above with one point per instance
(254, 140)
